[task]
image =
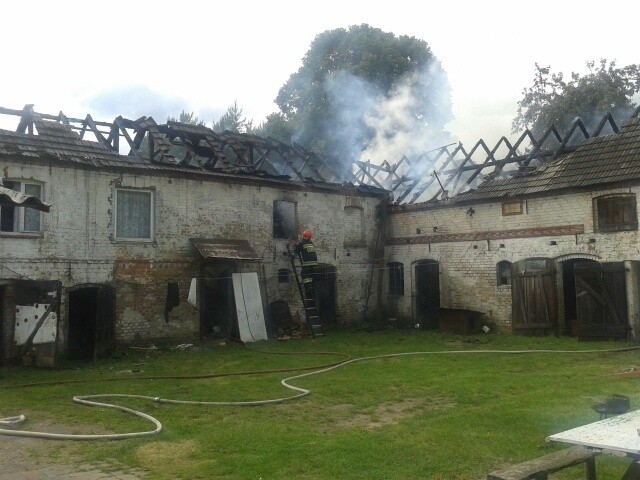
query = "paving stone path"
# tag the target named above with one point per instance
(26, 459)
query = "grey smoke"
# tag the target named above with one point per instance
(389, 120)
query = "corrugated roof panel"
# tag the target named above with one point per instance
(11, 197)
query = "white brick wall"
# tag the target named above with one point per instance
(78, 246)
(468, 268)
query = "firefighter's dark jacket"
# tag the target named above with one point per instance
(307, 252)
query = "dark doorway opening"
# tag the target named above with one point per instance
(569, 294)
(324, 285)
(427, 293)
(83, 310)
(91, 333)
(218, 318)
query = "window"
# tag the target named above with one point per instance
(503, 271)
(353, 234)
(396, 278)
(21, 219)
(134, 214)
(512, 207)
(283, 275)
(615, 213)
(284, 219)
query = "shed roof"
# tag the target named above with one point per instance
(222, 248)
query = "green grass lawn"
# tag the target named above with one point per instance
(437, 415)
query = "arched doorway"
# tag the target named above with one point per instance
(427, 293)
(569, 304)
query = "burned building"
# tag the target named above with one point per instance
(160, 232)
(540, 236)
(173, 232)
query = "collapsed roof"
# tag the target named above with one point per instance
(173, 147)
(579, 157)
(552, 161)
(607, 160)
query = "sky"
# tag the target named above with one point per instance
(158, 58)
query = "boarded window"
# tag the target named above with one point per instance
(396, 278)
(284, 219)
(503, 271)
(353, 234)
(615, 213)
(21, 219)
(513, 207)
(134, 217)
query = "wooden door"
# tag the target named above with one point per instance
(533, 297)
(601, 298)
(428, 293)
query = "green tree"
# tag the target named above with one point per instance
(185, 117)
(233, 121)
(277, 127)
(551, 99)
(333, 100)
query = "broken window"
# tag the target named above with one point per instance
(353, 232)
(503, 270)
(396, 278)
(134, 214)
(21, 219)
(615, 213)
(284, 219)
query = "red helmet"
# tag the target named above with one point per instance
(307, 234)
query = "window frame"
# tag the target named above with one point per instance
(623, 200)
(286, 233)
(499, 268)
(21, 212)
(395, 278)
(512, 207)
(152, 215)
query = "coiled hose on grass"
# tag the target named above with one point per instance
(91, 400)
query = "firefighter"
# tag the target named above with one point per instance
(306, 250)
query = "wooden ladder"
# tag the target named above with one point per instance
(308, 303)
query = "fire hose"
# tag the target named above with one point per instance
(91, 400)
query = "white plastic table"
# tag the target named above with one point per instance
(615, 436)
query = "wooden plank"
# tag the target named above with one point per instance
(542, 466)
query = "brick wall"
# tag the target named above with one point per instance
(78, 247)
(469, 247)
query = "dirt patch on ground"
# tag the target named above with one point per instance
(39, 459)
(388, 413)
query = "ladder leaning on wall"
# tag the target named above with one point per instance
(308, 302)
